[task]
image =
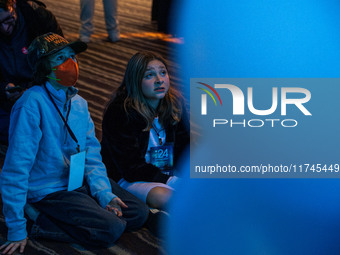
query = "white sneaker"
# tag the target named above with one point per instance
(85, 39)
(113, 38)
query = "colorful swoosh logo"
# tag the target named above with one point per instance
(209, 93)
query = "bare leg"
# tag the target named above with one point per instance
(158, 197)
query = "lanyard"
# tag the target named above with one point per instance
(62, 117)
(157, 132)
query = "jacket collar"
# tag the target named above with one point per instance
(60, 96)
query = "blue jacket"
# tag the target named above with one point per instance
(38, 157)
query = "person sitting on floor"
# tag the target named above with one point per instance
(140, 150)
(52, 148)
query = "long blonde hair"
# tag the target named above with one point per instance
(169, 110)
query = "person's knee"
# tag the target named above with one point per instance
(158, 197)
(115, 231)
(142, 215)
(109, 233)
(139, 217)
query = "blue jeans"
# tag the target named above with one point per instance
(75, 216)
(87, 13)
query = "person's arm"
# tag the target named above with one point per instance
(24, 138)
(95, 171)
(3, 96)
(122, 138)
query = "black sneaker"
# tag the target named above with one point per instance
(155, 222)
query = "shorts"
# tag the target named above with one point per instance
(141, 189)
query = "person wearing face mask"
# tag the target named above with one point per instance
(53, 170)
(20, 22)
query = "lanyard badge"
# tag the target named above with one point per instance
(162, 157)
(77, 168)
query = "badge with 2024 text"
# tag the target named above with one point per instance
(162, 157)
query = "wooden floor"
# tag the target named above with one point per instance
(102, 66)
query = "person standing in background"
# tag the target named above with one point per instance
(86, 20)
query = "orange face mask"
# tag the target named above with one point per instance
(67, 73)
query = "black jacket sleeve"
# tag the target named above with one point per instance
(3, 97)
(124, 145)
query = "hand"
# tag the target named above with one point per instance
(14, 96)
(115, 206)
(11, 247)
(173, 181)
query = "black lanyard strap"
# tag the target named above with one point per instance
(158, 133)
(64, 120)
